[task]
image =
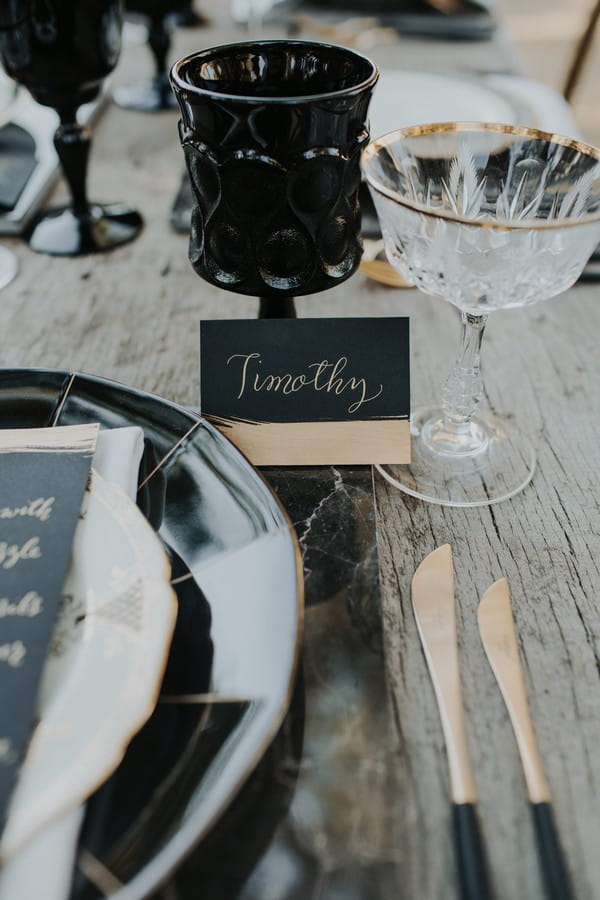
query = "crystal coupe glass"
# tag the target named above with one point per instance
(488, 217)
(62, 50)
(272, 133)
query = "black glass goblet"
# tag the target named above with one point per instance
(62, 50)
(272, 133)
(154, 94)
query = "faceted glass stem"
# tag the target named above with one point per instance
(456, 432)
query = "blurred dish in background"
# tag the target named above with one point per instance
(458, 20)
(405, 97)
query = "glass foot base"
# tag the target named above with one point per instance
(8, 267)
(146, 96)
(481, 478)
(60, 232)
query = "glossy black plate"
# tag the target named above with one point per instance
(223, 525)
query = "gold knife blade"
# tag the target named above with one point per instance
(434, 608)
(497, 630)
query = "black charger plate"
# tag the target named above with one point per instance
(224, 524)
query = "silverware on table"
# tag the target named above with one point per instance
(497, 630)
(434, 608)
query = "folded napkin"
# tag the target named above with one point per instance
(44, 866)
(118, 456)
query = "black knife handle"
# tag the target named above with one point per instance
(470, 853)
(552, 860)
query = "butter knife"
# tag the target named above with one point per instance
(434, 608)
(497, 630)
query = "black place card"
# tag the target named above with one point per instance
(43, 475)
(309, 391)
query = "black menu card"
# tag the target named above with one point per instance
(43, 476)
(309, 391)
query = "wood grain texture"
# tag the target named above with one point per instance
(541, 366)
(132, 315)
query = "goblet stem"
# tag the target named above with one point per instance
(455, 432)
(72, 142)
(159, 41)
(81, 227)
(154, 95)
(463, 388)
(277, 308)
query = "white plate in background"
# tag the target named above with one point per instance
(404, 97)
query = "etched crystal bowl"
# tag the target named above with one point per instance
(488, 200)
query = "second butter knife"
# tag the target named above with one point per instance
(434, 608)
(497, 630)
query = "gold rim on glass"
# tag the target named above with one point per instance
(445, 127)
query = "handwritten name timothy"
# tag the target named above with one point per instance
(321, 376)
(41, 509)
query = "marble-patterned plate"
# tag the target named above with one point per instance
(227, 528)
(105, 665)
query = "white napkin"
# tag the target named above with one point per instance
(44, 867)
(118, 456)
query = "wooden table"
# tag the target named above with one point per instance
(132, 315)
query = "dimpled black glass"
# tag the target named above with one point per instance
(272, 133)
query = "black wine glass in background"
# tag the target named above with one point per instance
(62, 50)
(272, 133)
(153, 94)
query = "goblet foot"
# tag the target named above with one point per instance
(8, 267)
(154, 95)
(499, 463)
(60, 232)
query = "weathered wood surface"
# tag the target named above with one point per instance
(132, 315)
